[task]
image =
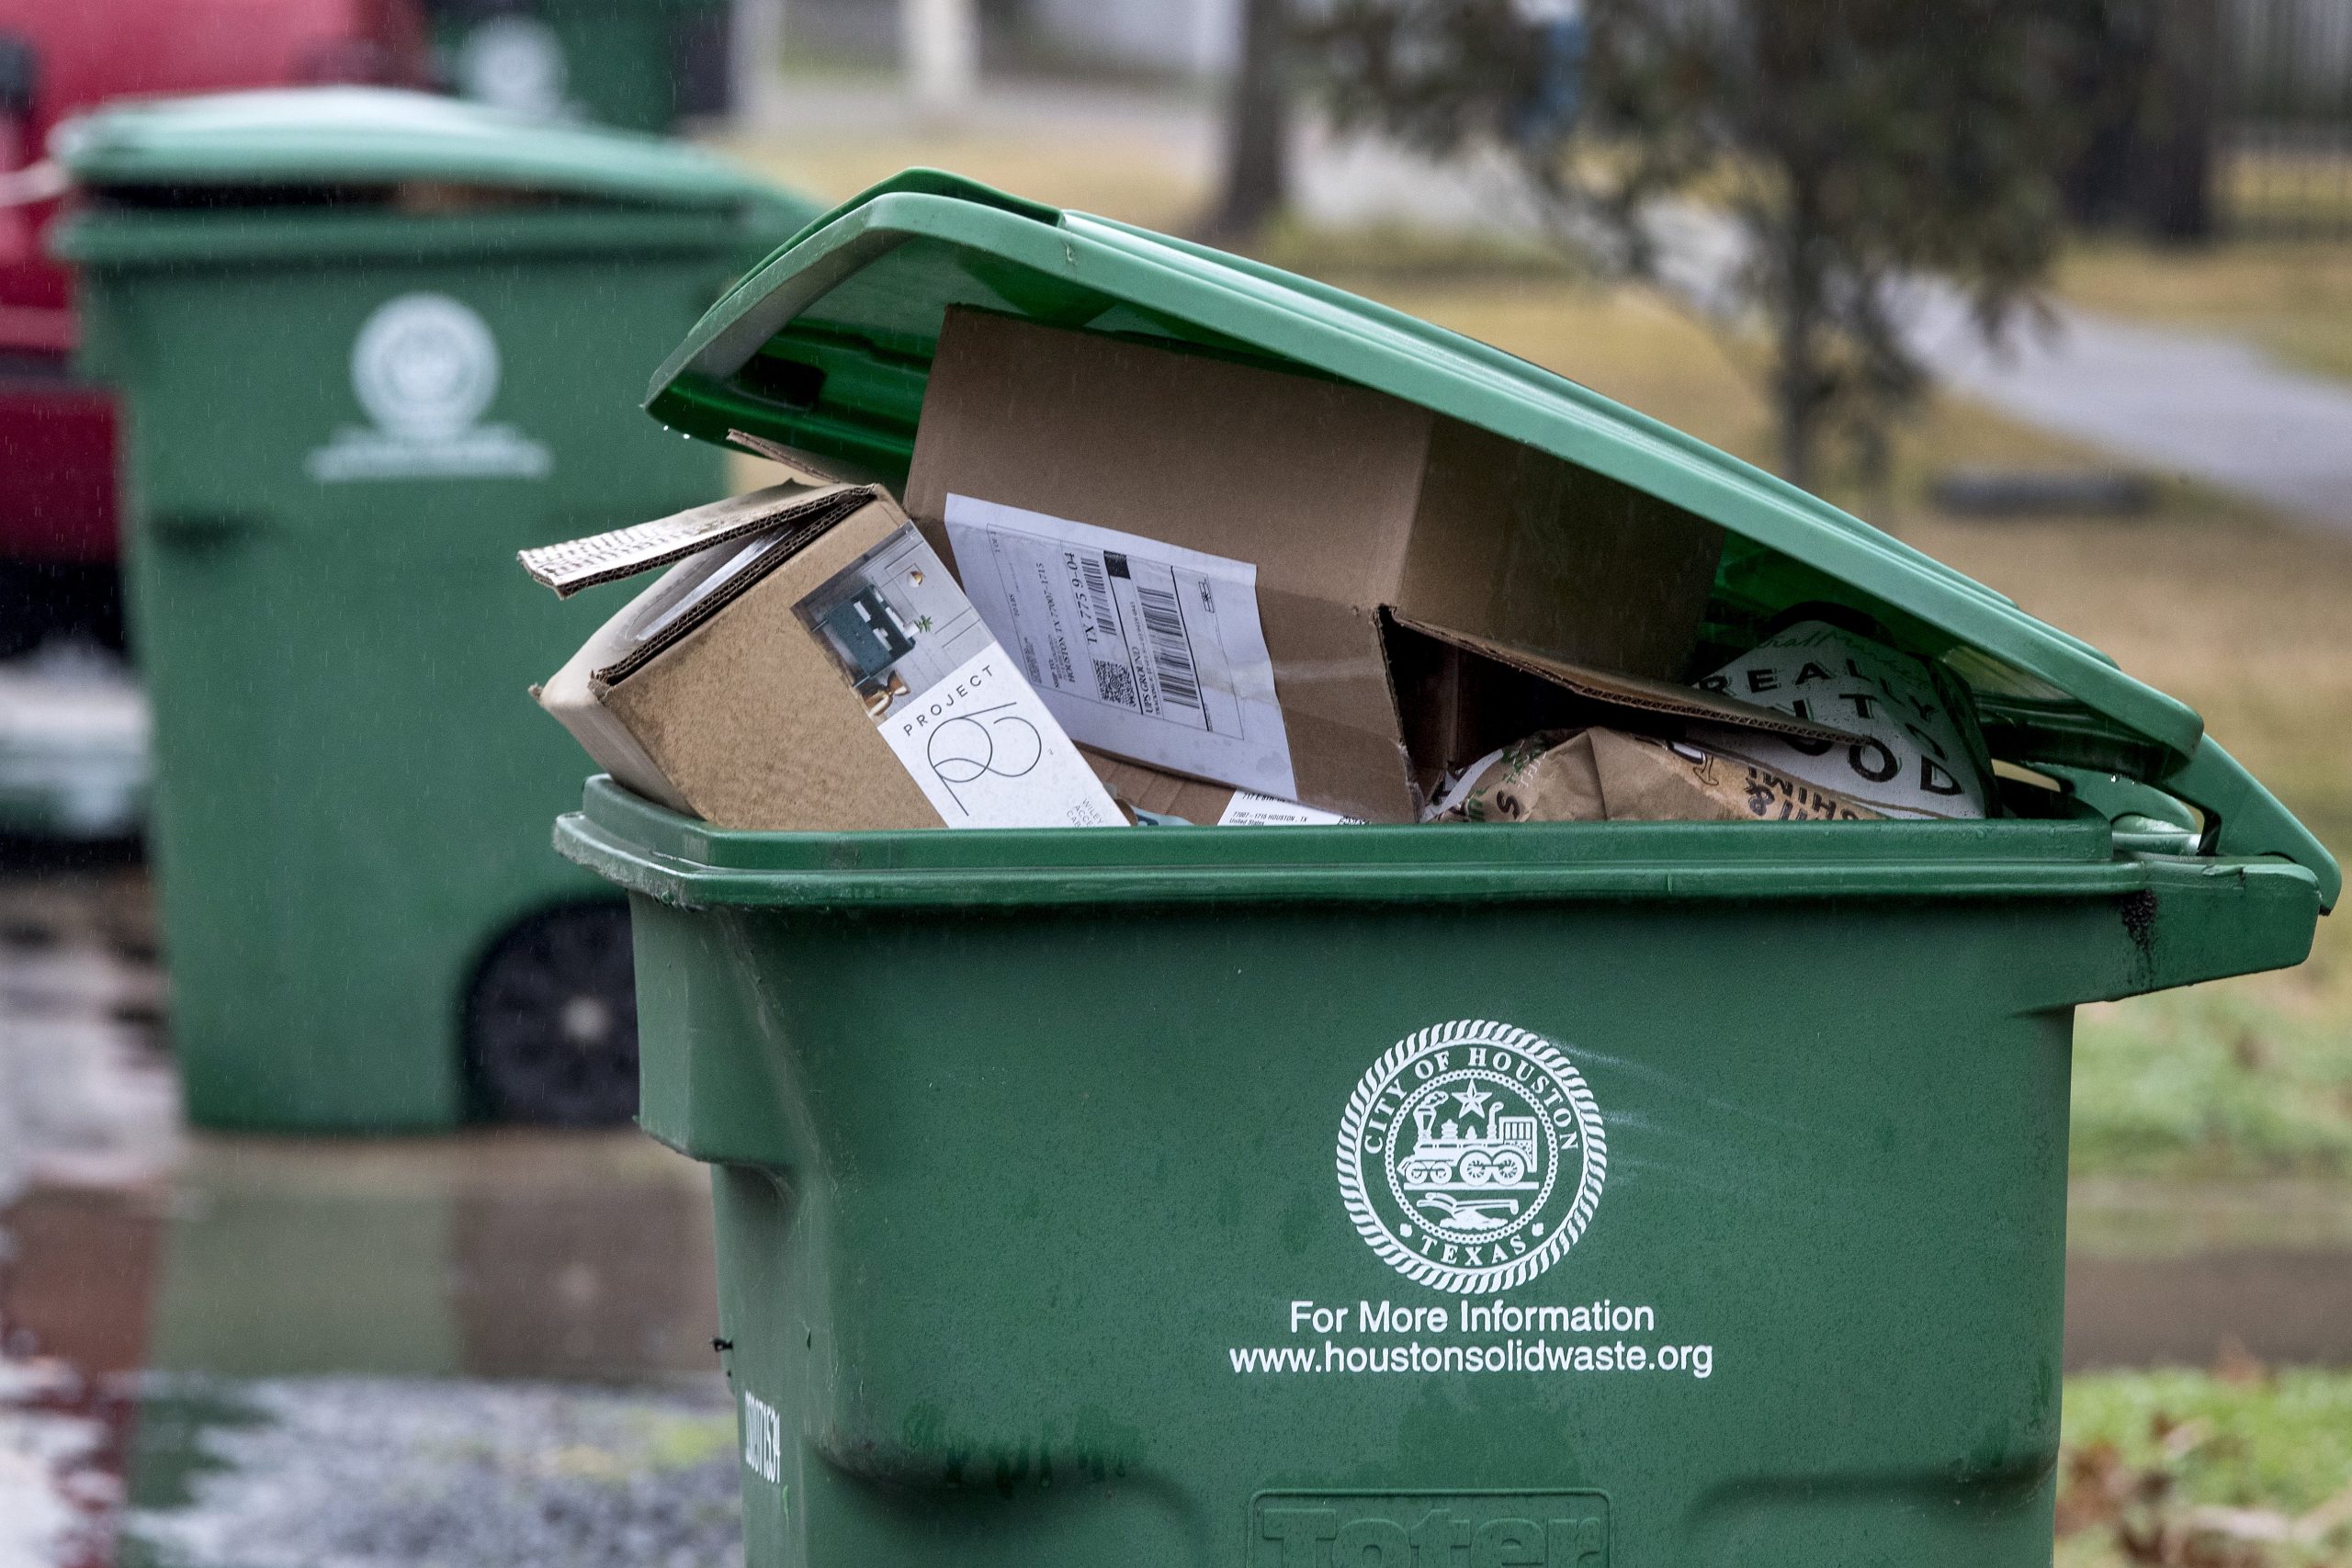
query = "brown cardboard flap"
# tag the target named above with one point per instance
(799, 465)
(687, 586)
(625, 552)
(1636, 692)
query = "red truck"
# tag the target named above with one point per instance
(57, 59)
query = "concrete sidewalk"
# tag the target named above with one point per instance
(2197, 406)
(2189, 405)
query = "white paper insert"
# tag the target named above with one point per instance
(1139, 648)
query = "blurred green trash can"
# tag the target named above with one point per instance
(370, 344)
(1051, 1223)
(636, 64)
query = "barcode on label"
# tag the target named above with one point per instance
(1172, 656)
(1114, 682)
(1097, 594)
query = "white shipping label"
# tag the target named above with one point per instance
(1911, 760)
(1139, 648)
(1247, 810)
(950, 701)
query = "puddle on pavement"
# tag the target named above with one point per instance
(587, 1259)
(573, 1257)
(374, 1472)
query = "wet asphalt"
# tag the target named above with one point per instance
(469, 1352)
(371, 1472)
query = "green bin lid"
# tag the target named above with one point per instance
(826, 348)
(363, 136)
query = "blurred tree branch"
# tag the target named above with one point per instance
(1858, 145)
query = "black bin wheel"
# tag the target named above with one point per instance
(551, 1022)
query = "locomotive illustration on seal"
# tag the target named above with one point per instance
(1454, 1156)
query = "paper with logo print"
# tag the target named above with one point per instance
(1140, 648)
(1912, 759)
(948, 699)
(425, 368)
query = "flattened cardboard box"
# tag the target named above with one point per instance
(1191, 558)
(808, 664)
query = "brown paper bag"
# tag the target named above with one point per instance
(1611, 776)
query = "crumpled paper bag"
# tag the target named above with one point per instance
(1613, 775)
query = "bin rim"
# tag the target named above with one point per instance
(648, 849)
(824, 302)
(366, 136)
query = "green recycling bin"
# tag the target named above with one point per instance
(634, 64)
(1058, 1217)
(370, 344)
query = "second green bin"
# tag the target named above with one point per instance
(368, 345)
(634, 64)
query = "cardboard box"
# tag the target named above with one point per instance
(808, 663)
(1194, 560)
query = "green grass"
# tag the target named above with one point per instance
(2219, 1082)
(2191, 1467)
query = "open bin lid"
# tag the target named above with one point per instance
(826, 348)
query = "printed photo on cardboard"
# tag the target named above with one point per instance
(895, 622)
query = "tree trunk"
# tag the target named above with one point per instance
(2175, 194)
(1257, 128)
(1797, 385)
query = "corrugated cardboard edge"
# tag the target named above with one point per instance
(577, 564)
(1635, 692)
(803, 468)
(780, 545)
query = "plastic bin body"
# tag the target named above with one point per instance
(1019, 1142)
(346, 662)
(367, 346)
(342, 420)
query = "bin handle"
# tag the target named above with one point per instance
(2244, 819)
(204, 530)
